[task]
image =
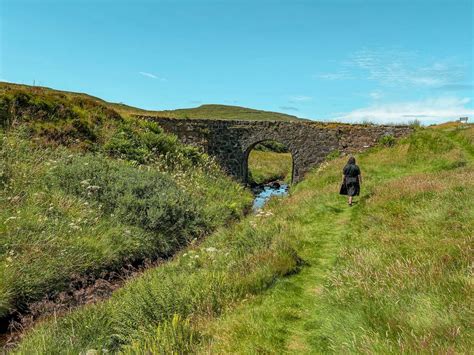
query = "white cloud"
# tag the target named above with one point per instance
(301, 98)
(152, 76)
(339, 75)
(376, 95)
(395, 67)
(434, 110)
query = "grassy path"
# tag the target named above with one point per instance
(388, 275)
(287, 315)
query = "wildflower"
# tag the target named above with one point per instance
(211, 250)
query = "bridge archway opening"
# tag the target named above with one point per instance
(267, 161)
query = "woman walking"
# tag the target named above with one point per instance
(351, 180)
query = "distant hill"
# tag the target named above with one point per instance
(201, 112)
(227, 113)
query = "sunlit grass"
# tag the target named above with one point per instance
(269, 166)
(391, 274)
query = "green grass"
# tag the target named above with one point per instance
(210, 111)
(226, 112)
(389, 275)
(265, 166)
(310, 274)
(85, 191)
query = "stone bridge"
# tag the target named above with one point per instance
(308, 142)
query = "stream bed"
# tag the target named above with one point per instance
(263, 193)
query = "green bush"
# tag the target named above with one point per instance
(387, 140)
(52, 118)
(429, 141)
(141, 197)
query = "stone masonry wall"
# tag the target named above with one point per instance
(308, 142)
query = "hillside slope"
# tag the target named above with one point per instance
(310, 274)
(88, 194)
(202, 112)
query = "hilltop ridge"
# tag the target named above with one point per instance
(206, 111)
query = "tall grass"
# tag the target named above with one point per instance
(67, 214)
(84, 191)
(309, 274)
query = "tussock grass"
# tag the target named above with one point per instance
(391, 274)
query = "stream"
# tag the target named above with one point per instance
(263, 193)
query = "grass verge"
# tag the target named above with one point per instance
(309, 274)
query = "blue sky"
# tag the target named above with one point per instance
(349, 60)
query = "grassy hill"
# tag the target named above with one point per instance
(310, 274)
(201, 112)
(226, 113)
(86, 192)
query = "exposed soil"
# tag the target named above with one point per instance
(82, 290)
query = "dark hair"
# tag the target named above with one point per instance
(351, 161)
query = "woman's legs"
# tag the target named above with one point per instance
(350, 200)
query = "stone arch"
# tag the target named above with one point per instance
(230, 141)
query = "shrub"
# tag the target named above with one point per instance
(428, 141)
(144, 198)
(387, 140)
(414, 123)
(53, 118)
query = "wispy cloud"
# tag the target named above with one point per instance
(395, 67)
(456, 87)
(300, 98)
(289, 108)
(151, 76)
(339, 75)
(433, 110)
(376, 95)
